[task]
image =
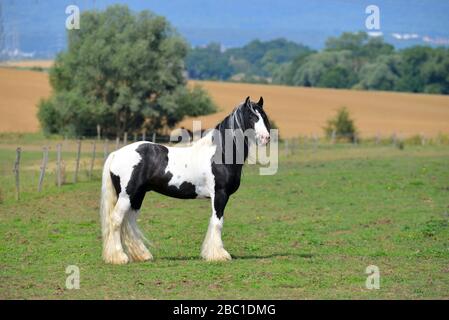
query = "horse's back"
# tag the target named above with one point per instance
(180, 172)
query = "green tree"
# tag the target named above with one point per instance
(208, 63)
(336, 77)
(424, 69)
(124, 71)
(341, 125)
(286, 72)
(376, 47)
(383, 74)
(363, 49)
(412, 60)
(264, 58)
(257, 61)
(326, 69)
(349, 41)
(435, 72)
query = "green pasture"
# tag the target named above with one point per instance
(310, 231)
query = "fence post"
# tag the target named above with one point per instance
(16, 172)
(144, 135)
(92, 161)
(154, 137)
(77, 165)
(395, 139)
(125, 138)
(378, 138)
(423, 139)
(105, 149)
(117, 142)
(43, 167)
(315, 141)
(292, 146)
(98, 132)
(355, 139)
(334, 135)
(58, 164)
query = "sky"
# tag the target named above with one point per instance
(38, 27)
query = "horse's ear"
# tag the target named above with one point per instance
(247, 101)
(260, 103)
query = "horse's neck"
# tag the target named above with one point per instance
(207, 141)
(229, 123)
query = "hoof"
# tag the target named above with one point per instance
(147, 256)
(216, 255)
(117, 258)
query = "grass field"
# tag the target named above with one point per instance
(296, 111)
(307, 232)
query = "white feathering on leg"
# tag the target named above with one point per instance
(133, 239)
(212, 249)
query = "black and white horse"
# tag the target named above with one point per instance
(180, 172)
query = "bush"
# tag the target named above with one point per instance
(68, 113)
(342, 125)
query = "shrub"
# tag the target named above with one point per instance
(342, 125)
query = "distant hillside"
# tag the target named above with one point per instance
(353, 60)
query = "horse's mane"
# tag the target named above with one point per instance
(235, 121)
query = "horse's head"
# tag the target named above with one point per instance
(255, 118)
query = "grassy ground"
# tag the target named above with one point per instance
(307, 232)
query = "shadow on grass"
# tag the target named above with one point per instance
(275, 255)
(246, 257)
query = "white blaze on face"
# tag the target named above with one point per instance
(262, 134)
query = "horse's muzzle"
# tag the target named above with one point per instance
(263, 139)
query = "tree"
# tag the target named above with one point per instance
(363, 48)
(259, 58)
(342, 125)
(286, 72)
(257, 61)
(208, 63)
(412, 59)
(376, 47)
(326, 69)
(435, 72)
(383, 74)
(351, 60)
(350, 41)
(124, 71)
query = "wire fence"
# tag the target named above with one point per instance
(69, 161)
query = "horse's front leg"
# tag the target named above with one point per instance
(212, 249)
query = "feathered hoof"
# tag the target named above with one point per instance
(146, 256)
(216, 255)
(116, 258)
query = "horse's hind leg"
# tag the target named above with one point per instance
(113, 252)
(133, 239)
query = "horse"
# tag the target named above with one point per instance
(181, 172)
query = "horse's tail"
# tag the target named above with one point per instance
(108, 200)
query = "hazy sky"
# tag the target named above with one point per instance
(38, 25)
